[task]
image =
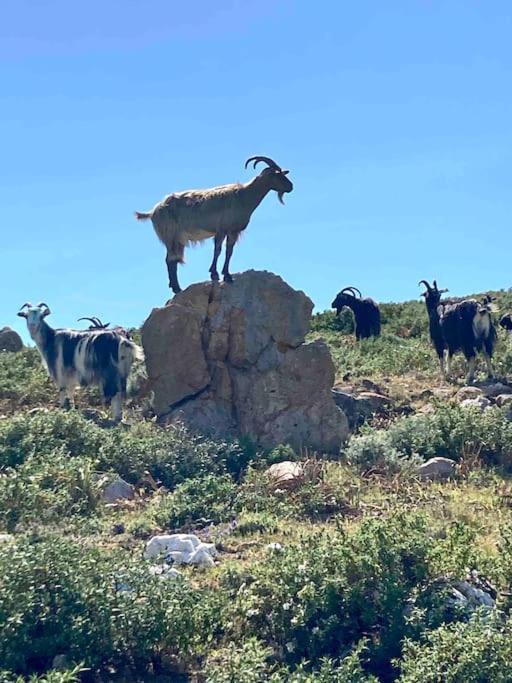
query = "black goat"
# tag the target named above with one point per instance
(366, 312)
(96, 325)
(459, 325)
(506, 322)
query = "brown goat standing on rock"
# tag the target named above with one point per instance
(220, 212)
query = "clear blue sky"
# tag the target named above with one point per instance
(394, 118)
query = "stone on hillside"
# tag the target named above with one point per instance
(230, 359)
(468, 393)
(116, 490)
(480, 402)
(284, 471)
(436, 468)
(504, 400)
(492, 390)
(181, 549)
(359, 407)
(10, 340)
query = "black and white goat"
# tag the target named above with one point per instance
(506, 322)
(459, 325)
(83, 357)
(366, 312)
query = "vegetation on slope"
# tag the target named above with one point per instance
(342, 576)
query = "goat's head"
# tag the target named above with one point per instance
(274, 175)
(506, 322)
(345, 298)
(432, 294)
(34, 314)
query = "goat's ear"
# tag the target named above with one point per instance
(424, 294)
(22, 314)
(443, 291)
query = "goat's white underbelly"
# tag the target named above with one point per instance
(195, 235)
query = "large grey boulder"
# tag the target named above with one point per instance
(10, 340)
(230, 359)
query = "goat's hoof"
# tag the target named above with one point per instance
(228, 278)
(214, 276)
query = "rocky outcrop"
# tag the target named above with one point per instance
(231, 359)
(10, 340)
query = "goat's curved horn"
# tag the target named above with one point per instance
(424, 282)
(266, 160)
(21, 312)
(354, 289)
(350, 290)
(46, 309)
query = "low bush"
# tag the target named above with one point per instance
(209, 497)
(479, 651)
(95, 607)
(318, 598)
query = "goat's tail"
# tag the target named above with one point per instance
(143, 215)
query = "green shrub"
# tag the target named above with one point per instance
(43, 489)
(253, 662)
(373, 450)
(321, 596)
(23, 379)
(479, 651)
(170, 455)
(209, 497)
(100, 608)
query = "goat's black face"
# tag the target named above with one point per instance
(279, 182)
(341, 301)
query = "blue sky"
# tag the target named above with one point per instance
(393, 118)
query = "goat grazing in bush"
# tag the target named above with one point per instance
(366, 312)
(506, 322)
(83, 357)
(221, 212)
(459, 325)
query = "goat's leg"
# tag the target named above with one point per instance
(172, 269)
(441, 357)
(64, 401)
(230, 243)
(471, 370)
(117, 407)
(488, 363)
(218, 240)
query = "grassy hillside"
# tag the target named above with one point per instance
(358, 587)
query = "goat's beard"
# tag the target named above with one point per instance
(280, 197)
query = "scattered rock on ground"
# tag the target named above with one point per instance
(118, 489)
(10, 340)
(181, 549)
(230, 359)
(285, 471)
(503, 400)
(493, 390)
(164, 571)
(436, 468)
(480, 402)
(358, 405)
(468, 393)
